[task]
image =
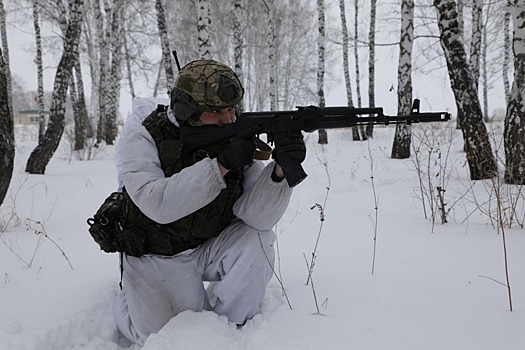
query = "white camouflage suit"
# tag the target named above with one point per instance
(157, 288)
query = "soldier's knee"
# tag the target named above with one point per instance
(256, 237)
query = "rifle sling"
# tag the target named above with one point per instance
(263, 151)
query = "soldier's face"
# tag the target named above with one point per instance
(220, 117)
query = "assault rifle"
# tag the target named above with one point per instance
(307, 119)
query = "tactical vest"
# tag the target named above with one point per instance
(141, 235)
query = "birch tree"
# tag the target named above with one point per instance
(41, 155)
(238, 11)
(104, 68)
(83, 127)
(7, 137)
(461, 21)
(346, 68)
(402, 138)
(371, 62)
(514, 131)
(90, 36)
(115, 71)
(356, 60)
(323, 136)
(203, 29)
(127, 60)
(475, 44)
(482, 164)
(5, 48)
(271, 45)
(506, 57)
(39, 72)
(107, 91)
(165, 45)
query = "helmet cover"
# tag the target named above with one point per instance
(204, 86)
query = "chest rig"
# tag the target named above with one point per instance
(141, 235)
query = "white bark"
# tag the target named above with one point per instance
(506, 58)
(238, 25)
(401, 146)
(475, 44)
(41, 155)
(40, 72)
(104, 68)
(517, 9)
(203, 29)
(321, 39)
(515, 118)
(165, 45)
(482, 164)
(272, 54)
(323, 136)
(7, 137)
(5, 49)
(356, 54)
(461, 21)
(346, 71)
(371, 61)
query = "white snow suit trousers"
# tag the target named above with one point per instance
(239, 262)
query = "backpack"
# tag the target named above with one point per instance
(105, 227)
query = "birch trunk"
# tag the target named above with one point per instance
(165, 45)
(475, 44)
(238, 11)
(41, 155)
(482, 164)
(515, 118)
(203, 29)
(506, 57)
(90, 37)
(323, 136)
(461, 21)
(7, 67)
(371, 63)
(402, 138)
(39, 73)
(127, 58)
(7, 137)
(104, 69)
(83, 128)
(115, 70)
(272, 63)
(346, 71)
(357, 70)
(484, 75)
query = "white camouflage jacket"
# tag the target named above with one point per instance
(165, 200)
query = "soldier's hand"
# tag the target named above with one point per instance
(240, 150)
(289, 147)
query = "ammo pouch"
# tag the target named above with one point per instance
(105, 227)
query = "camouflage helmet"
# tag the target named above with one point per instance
(204, 86)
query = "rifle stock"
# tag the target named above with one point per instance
(308, 119)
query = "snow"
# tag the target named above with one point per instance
(433, 286)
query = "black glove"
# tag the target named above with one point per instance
(289, 147)
(239, 152)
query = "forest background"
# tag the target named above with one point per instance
(429, 70)
(274, 55)
(84, 61)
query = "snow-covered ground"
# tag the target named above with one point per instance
(433, 286)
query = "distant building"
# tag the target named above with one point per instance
(29, 117)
